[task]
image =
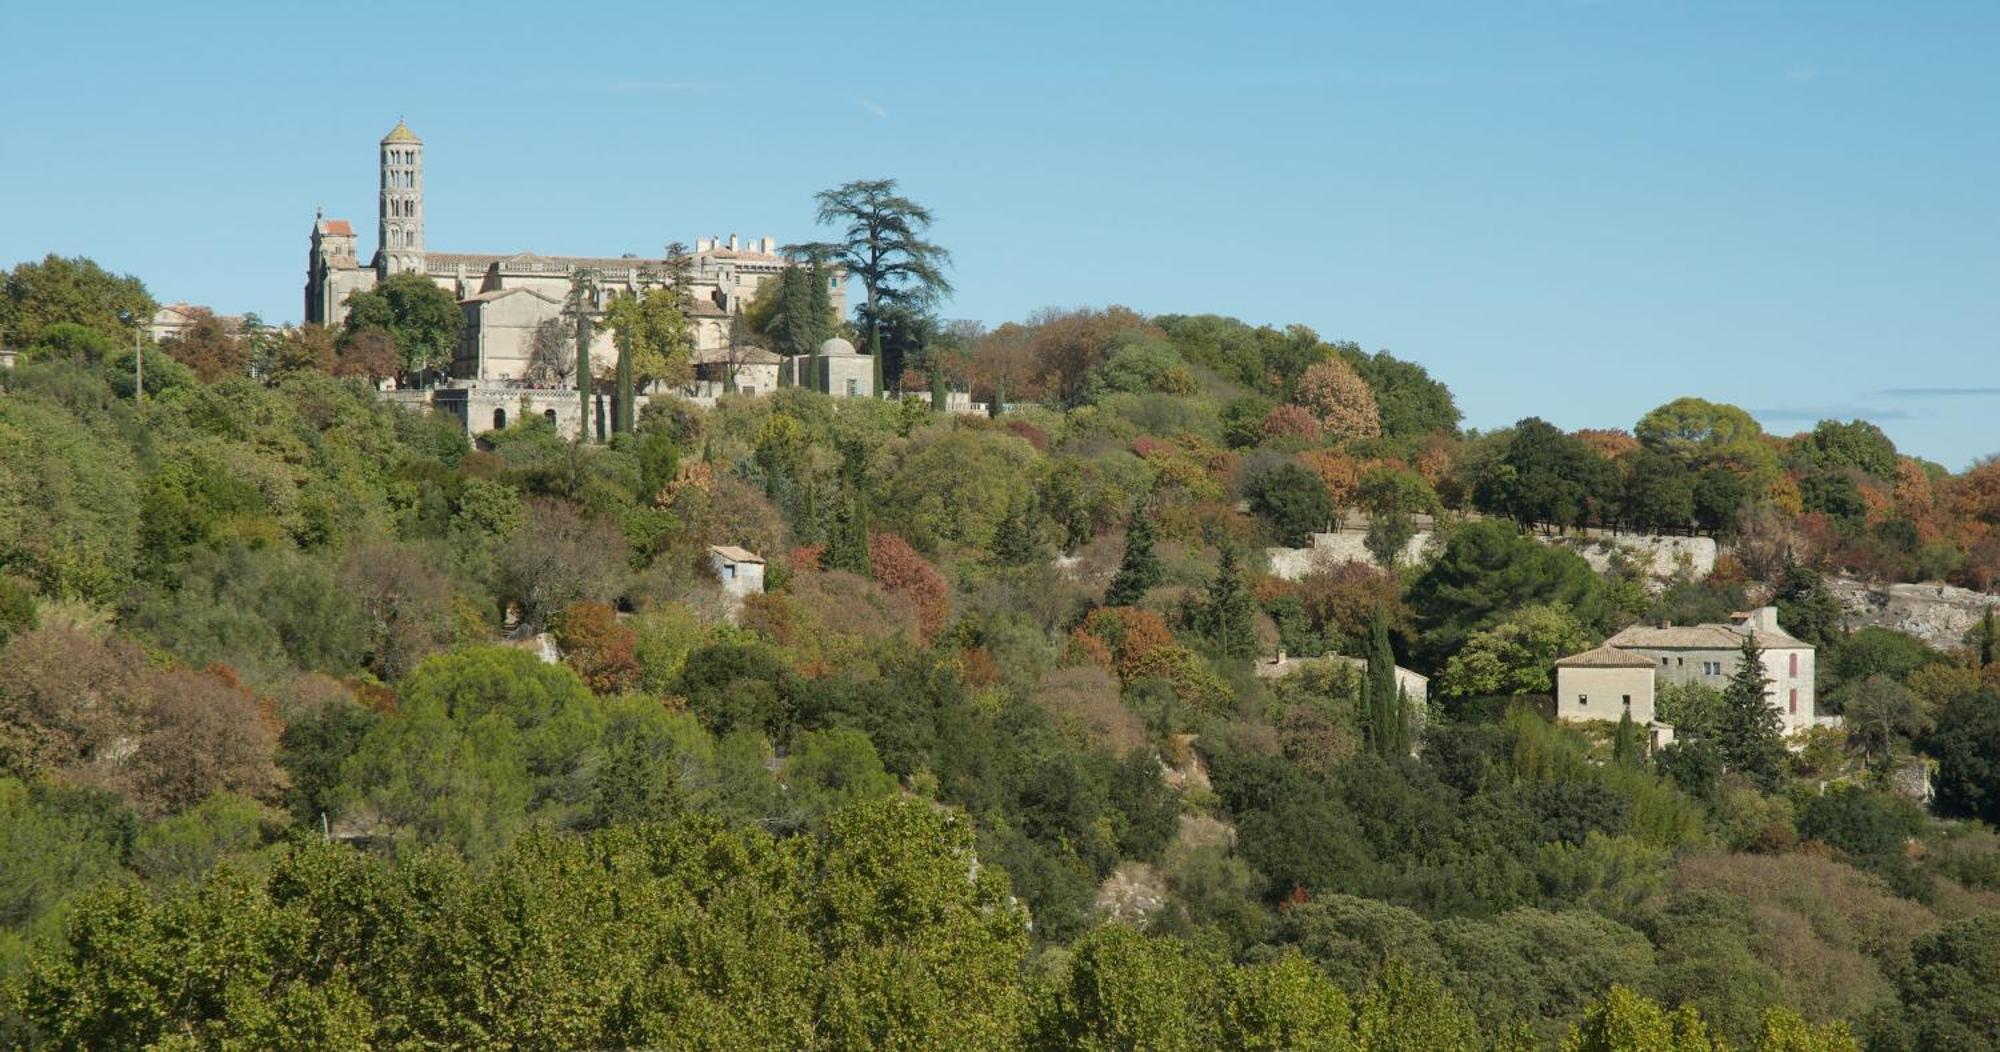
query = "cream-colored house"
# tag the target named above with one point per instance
(1625, 672)
(1605, 684)
(1708, 655)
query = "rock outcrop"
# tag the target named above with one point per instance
(1938, 614)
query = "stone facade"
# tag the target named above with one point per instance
(1709, 654)
(1630, 665)
(842, 371)
(505, 295)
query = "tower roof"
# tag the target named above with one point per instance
(401, 133)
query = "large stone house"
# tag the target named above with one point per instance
(504, 296)
(1597, 684)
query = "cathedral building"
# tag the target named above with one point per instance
(504, 296)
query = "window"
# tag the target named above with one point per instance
(1663, 662)
(853, 387)
(1795, 663)
(1628, 701)
(1711, 668)
(551, 414)
(499, 420)
(1795, 701)
(729, 571)
(1680, 661)
(1583, 699)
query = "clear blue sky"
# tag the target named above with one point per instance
(1570, 209)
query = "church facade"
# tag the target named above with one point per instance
(505, 296)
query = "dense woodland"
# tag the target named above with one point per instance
(282, 765)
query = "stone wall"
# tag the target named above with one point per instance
(1663, 557)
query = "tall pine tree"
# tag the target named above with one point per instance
(1140, 570)
(1750, 732)
(1229, 612)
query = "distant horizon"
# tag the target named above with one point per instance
(1567, 211)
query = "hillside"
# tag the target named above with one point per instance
(987, 760)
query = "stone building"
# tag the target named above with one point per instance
(1627, 670)
(504, 296)
(842, 371)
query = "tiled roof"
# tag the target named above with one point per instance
(1605, 657)
(1699, 637)
(735, 554)
(339, 227)
(401, 133)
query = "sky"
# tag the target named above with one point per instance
(1573, 210)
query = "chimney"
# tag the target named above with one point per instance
(770, 245)
(702, 244)
(732, 242)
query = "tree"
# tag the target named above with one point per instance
(1410, 402)
(1857, 445)
(882, 243)
(1687, 426)
(1291, 501)
(1386, 706)
(1659, 492)
(1628, 747)
(1341, 401)
(552, 352)
(1227, 610)
(1516, 656)
(1489, 568)
(1750, 734)
(1966, 743)
(367, 353)
(557, 557)
(1139, 569)
(1950, 988)
(796, 311)
(1805, 608)
(1880, 712)
(306, 349)
(70, 290)
(602, 649)
(422, 319)
(653, 337)
(1550, 477)
(210, 348)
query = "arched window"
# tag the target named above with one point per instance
(551, 414)
(500, 419)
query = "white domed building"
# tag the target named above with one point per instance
(836, 369)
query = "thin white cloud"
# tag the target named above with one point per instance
(1801, 74)
(875, 108)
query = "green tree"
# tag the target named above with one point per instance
(1387, 706)
(1516, 656)
(1139, 569)
(882, 243)
(1659, 491)
(1966, 743)
(1858, 445)
(1950, 987)
(72, 290)
(1750, 733)
(796, 311)
(422, 319)
(1228, 610)
(1805, 608)
(1291, 500)
(1487, 570)
(654, 344)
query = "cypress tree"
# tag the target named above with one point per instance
(1229, 609)
(1140, 569)
(1750, 735)
(1014, 542)
(1625, 748)
(1384, 705)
